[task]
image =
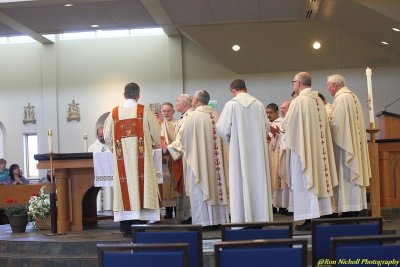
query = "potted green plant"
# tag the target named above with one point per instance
(17, 214)
(39, 209)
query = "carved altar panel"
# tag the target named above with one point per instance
(389, 172)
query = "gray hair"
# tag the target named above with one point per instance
(337, 79)
(304, 78)
(203, 96)
(187, 99)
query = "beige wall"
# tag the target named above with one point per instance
(94, 72)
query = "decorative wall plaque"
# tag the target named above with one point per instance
(29, 114)
(73, 111)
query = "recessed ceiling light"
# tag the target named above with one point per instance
(94, 26)
(396, 29)
(385, 43)
(316, 45)
(68, 5)
(236, 48)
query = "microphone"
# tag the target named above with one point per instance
(392, 103)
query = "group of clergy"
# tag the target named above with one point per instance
(220, 170)
(325, 164)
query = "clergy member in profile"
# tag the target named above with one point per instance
(130, 131)
(351, 149)
(183, 213)
(203, 163)
(312, 163)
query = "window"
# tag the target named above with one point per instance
(30, 149)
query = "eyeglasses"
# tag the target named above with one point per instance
(294, 81)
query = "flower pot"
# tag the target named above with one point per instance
(18, 223)
(43, 224)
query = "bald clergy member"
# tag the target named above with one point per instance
(244, 125)
(203, 163)
(312, 162)
(351, 149)
(172, 170)
(130, 131)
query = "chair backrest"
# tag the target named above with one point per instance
(256, 253)
(143, 255)
(366, 250)
(261, 230)
(190, 234)
(323, 229)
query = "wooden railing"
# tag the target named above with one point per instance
(19, 193)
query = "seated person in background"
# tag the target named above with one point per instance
(15, 176)
(3, 171)
(47, 178)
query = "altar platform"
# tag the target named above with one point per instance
(78, 249)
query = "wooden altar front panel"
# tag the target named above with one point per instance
(74, 178)
(389, 172)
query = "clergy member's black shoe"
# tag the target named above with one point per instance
(285, 211)
(125, 227)
(187, 221)
(168, 212)
(306, 226)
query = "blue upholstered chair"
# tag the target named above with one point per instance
(158, 233)
(362, 250)
(262, 230)
(261, 253)
(323, 229)
(143, 255)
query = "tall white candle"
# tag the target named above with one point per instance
(85, 142)
(50, 140)
(368, 72)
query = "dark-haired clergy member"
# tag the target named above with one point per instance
(202, 163)
(312, 163)
(130, 131)
(272, 111)
(328, 106)
(351, 149)
(244, 125)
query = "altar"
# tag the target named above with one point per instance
(76, 194)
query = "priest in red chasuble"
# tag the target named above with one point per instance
(130, 131)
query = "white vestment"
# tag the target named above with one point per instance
(106, 191)
(203, 168)
(151, 130)
(279, 187)
(97, 146)
(183, 206)
(243, 124)
(312, 164)
(169, 193)
(351, 152)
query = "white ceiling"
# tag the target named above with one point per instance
(274, 35)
